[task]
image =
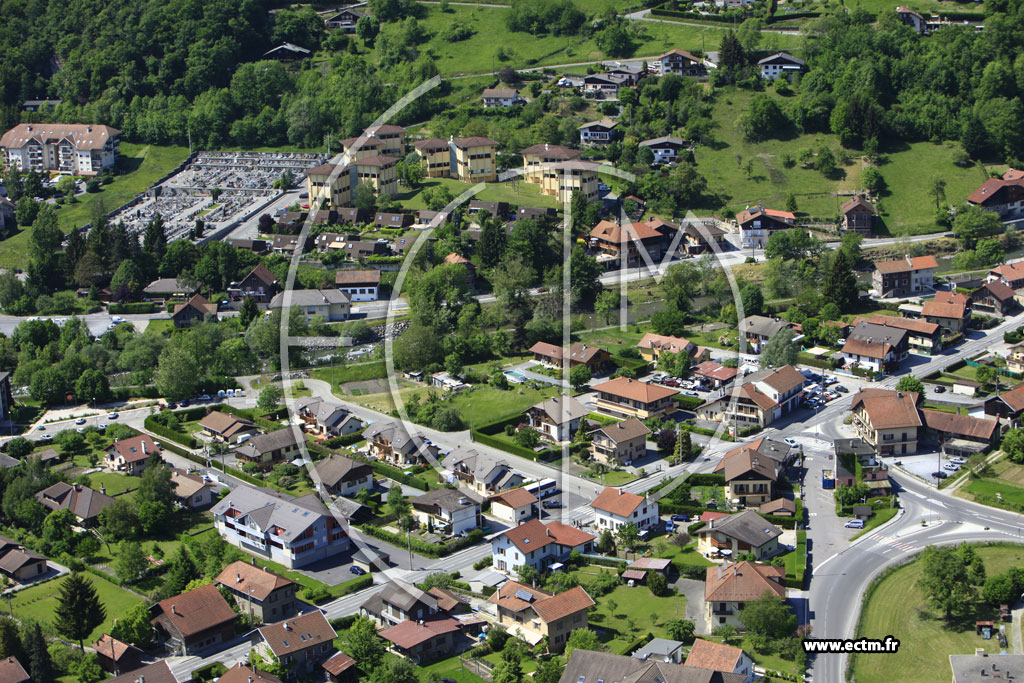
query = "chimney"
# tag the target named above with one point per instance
(287, 626)
(174, 610)
(548, 532)
(253, 558)
(103, 490)
(546, 146)
(979, 652)
(238, 577)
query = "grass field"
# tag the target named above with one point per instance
(906, 207)
(486, 404)
(523, 194)
(1007, 481)
(448, 668)
(878, 519)
(357, 372)
(898, 607)
(113, 483)
(636, 611)
(40, 602)
(479, 53)
(664, 548)
(143, 165)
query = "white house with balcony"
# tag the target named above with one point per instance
(615, 507)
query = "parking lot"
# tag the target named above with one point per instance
(923, 465)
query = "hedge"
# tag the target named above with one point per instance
(136, 307)
(706, 479)
(434, 550)
(602, 561)
(724, 436)
(341, 441)
(688, 402)
(126, 393)
(637, 644)
(155, 427)
(690, 571)
(343, 623)
(750, 430)
(237, 474)
(484, 435)
(694, 528)
(354, 585)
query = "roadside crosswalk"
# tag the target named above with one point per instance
(891, 542)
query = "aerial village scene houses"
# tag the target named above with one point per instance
(398, 342)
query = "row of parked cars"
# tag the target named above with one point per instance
(688, 387)
(824, 390)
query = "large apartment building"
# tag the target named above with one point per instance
(70, 148)
(472, 159)
(559, 172)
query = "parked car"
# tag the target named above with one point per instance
(842, 390)
(691, 393)
(358, 571)
(680, 518)
(103, 425)
(46, 436)
(958, 460)
(113, 416)
(855, 524)
(939, 389)
(548, 504)
(951, 466)
(792, 443)
(939, 475)
(80, 421)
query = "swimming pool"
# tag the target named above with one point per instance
(515, 376)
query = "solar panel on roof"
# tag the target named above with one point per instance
(523, 595)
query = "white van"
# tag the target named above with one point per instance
(855, 524)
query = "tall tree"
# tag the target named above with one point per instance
(840, 286)
(79, 610)
(154, 240)
(364, 645)
(945, 580)
(131, 562)
(780, 349)
(39, 662)
(492, 241)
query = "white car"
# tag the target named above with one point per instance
(80, 421)
(46, 436)
(791, 442)
(117, 319)
(958, 460)
(103, 425)
(952, 467)
(112, 416)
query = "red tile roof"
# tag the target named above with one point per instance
(338, 664)
(548, 607)
(937, 309)
(197, 610)
(634, 390)
(535, 534)
(617, 502)
(608, 231)
(906, 264)
(409, 634)
(742, 582)
(515, 498)
(298, 633)
(244, 577)
(888, 409)
(714, 656)
(243, 674)
(663, 342)
(960, 425)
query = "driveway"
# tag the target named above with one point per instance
(524, 368)
(694, 592)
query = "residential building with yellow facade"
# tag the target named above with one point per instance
(324, 185)
(392, 139)
(436, 155)
(371, 146)
(533, 614)
(472, 159)
(558, 171)
(379, 172)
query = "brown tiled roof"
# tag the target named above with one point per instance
(551, 151)
(379, 160)
(547, 350)
(446, 600)
(961, 425)
(563, 604)
(499, 92)
(709, 515)
(654, 563)
(158, 672)
(324, 169)
(357, 277)
(681, 53)
(990, 187)
(244, 577)
(998, 290)
(83, 501)
(715, 656)
(664, 342)
(475, 141)
(621, 234)
(298, 633)
(1014, 398)
(385, 129)
(185, 484)
(409, 634)
(567, 535)
(262, 273)
(855, 202)
(136, 448)
(763, 401)
(84, 136)
(583, 353)
(747, 527)
(1010, 271)
(243, 674)
(617, 502)
(197, 610)
(337, 665)
(903, 265)
(753, 212)
(457, 258)
(710, 368)
(863, 347)
(13, 560)
(887, 409)
(635, 390)
(197, 302)
(110, 647)
(749, 460)
(535, 534)
(624, 430)
(909, 324)
(515, 498)
(937, 309)
(742, 582)
(784, 379)
(778, 505)
(431, 144)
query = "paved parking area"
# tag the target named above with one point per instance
(921, 465)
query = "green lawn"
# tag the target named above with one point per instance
(485, 404)
(479, 53)
(357, 372)
(522, 193)
(878, 519)
(612, 340)
(144, 164)
(40, 602)
(898, 607)
(113, 482)
(906, 206)
(637, 612)
(612, 477)
(663, 547)
(448, 668)
(1007, 481)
